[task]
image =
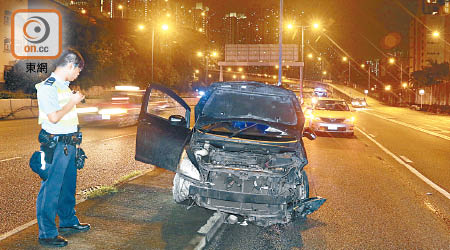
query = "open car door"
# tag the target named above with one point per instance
(163, 128)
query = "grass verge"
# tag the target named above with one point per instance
(101, 191)
(128, 176)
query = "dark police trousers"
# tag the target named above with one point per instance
(57, 193)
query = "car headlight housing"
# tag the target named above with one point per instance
(112, 111)
(186, 167)
(351, 119)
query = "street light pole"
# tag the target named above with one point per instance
(302, 66)
(206, 70)
(153, 42)
(349, 71)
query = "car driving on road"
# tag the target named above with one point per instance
(118, 107)
(331, 116)
(243, 156)
(359, 102)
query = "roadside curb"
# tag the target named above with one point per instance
(207, 231)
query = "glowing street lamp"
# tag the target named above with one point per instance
(240, 69)
(234, 76)
(363, 65)
(229, 69)
(242, 77)
(404, 85)
(391, 60)
(345, 59)
(164, 27)
(199, 54)
(120, 7)
(316, 26)
(387, 88)
(141, 27)
(197, 71)
(310, 55)
(83, 11)
(436, 34)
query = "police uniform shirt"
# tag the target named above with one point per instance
(47, 94)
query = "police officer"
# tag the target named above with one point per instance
(58, 117)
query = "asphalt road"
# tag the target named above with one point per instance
(373, 201)
(111, 156)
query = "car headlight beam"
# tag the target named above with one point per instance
(87, 110)
(112, 111)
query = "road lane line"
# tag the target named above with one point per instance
(409, 167)
(10, 159)
(372, 135)
(410, 126)
(112, 138)
(27, 225)
(405, 159)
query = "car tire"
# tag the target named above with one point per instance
(180, 188)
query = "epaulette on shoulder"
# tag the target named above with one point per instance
(50, 81)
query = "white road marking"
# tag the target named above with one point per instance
(112, 138)
(411, 126)
(409, 167)
(10, 159)
(372, 135)
(31, 223)
(26, 225)
(405, 159)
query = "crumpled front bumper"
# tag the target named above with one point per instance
(277, 209)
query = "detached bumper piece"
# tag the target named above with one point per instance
(308, 206)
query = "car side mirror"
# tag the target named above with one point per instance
(177, 120)
(309, 133)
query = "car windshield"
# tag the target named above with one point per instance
(247, 130)
(332, 105)
(232, 105)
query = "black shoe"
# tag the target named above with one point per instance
(57, 241)
(82, 227)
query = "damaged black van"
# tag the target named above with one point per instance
(244, 154)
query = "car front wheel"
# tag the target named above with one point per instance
(180, 188)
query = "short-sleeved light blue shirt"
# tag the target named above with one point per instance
(47, 95)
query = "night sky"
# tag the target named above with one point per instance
(353, 24)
